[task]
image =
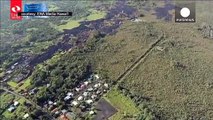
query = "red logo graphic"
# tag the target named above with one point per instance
(15, 8)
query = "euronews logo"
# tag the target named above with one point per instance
(185, 12)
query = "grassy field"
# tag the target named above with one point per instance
(25, 85)
(21, 100)
(12, 84)
(53, 7)
(69, 25)
(1, 72)
(123, 104)
(94, 15)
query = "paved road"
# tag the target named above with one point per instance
(33, 103)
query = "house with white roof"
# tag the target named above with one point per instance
(11, 108)
(16, 103)
(106, 85)
(89, 101)
(26, 116)
(90, 89)
(67, 98)
(86, 83)
(50, 102)
(97, 85)
(64, 111)
(91, 112)
(55, 103)
(97, 76)
(94, 96)
(74, 103)
(80, 98)
(70, 94)
(85, 94)
(77, 89)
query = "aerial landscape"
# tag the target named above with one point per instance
(110, 60)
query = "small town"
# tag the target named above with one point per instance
(79, 100)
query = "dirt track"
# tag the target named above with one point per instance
(138, 61)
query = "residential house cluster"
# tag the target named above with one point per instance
(82, 97)
(13, 106)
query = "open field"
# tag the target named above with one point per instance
(1, 72)
(125, 106)
(26, 84)
(53, 7)
(69, 25)
(94, 15)
(12, 84)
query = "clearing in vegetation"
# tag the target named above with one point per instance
(94, 15)
(125, 106)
